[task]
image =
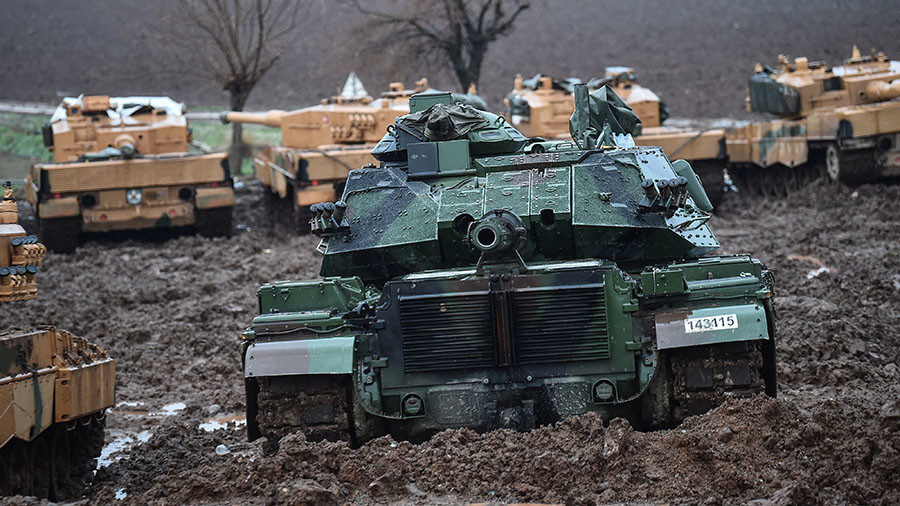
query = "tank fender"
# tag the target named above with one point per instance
(59, 208)
(329, 355)
(713, 325)
(209, 198)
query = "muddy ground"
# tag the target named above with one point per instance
(170, 311)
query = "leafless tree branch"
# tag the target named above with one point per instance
(458, 31)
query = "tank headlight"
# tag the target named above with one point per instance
(133, 196)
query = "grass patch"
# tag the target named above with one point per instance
(218, 136)
(20, 135)
(21, 141)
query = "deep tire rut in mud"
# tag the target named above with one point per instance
(170, 312)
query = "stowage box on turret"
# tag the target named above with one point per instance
(477, 279)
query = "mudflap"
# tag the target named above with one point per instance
(61, 235)
(215, 222)
(251, 390)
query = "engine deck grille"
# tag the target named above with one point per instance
(477, 323)
(446, 332)
(560, 325)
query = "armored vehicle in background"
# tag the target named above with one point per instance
(54, 387)
(541, 107)
(123, 163)
(321, 144)
(843, 119)
(476, 278)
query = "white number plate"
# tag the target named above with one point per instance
(706, 323)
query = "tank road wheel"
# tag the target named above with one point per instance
(317, 405)
(215, 222)
(852, 168)
(61, 235)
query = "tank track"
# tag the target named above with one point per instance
(851, 167)
(703, 377)
(61, 235)
(775, 182)
(284, 213)
(691, 381)
(215, 222)
(317, 405)
(58, 464)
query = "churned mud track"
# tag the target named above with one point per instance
(170, 312)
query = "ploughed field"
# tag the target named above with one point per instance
(170, 310)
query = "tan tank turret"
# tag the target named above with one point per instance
(123, 163)
(321, 144)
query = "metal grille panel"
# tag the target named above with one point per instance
(446, 332)
(560, 325)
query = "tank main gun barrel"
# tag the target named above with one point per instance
(880, 90)
(270, 118)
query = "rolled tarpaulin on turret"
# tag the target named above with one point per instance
(599, 116)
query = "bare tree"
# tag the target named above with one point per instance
(458, 31)
(235, 43)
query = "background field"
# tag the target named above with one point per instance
(697, 54)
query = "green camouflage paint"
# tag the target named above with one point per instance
(556, 311)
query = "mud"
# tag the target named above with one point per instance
(170, 310)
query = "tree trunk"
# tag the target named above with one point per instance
(236, 151)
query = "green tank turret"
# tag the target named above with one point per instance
(476, 278)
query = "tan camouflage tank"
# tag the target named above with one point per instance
(54, 387)
(541, 107)
(321, 144)
(843, 121)
(123, 163)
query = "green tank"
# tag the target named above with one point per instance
(479, 279)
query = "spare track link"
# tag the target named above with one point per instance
(58, 464)
(317, 405)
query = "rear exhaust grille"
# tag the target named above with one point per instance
(446, 332)
(560, 325)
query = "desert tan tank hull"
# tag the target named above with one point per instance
(93, 195)
(302, 177)
(56, 378)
